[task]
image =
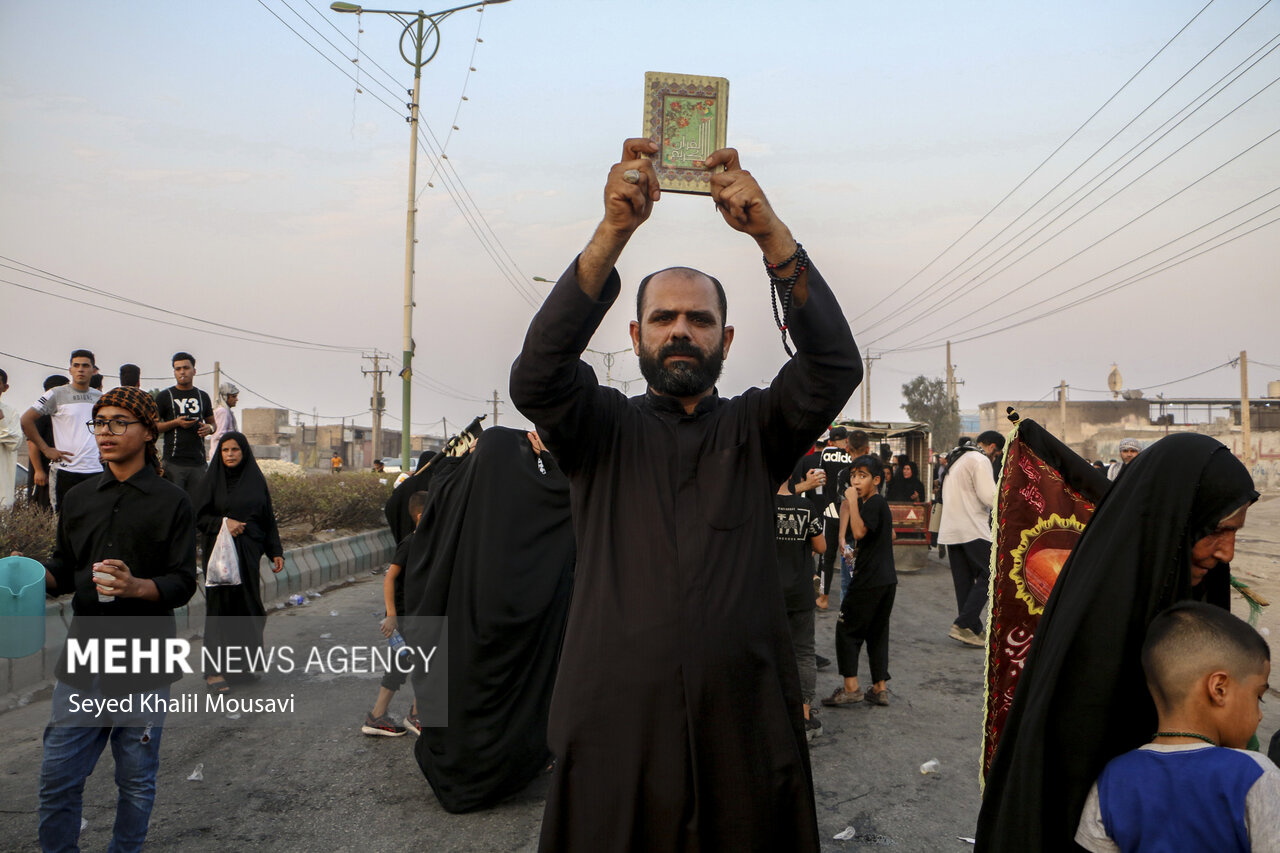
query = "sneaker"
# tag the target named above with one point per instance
(967, 636)
(384, 726)
(871, 697)
(821, 662)
(840, 698)
(812, 726)
(411, 722)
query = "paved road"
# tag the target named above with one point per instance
(1257, 562)
(321, 785)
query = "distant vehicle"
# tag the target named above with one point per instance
(391, 464)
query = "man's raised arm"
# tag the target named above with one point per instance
(812, 387)
(745, 208)
(629, 194)
(549, 383)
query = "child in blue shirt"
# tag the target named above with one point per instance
(1194, 787)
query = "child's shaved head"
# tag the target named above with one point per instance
(1191, 640)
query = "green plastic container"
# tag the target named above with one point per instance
(21, 607)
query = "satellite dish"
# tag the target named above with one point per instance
(1114, 381)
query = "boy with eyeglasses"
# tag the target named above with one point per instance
(126, 548)
(73, 456)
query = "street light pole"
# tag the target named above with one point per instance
(416, 28)
(410, 241)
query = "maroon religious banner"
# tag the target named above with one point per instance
(1045, 497)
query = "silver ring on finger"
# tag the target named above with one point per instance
(631, 176)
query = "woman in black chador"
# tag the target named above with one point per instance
(234, 489)
(1165, 532)
(905, 485)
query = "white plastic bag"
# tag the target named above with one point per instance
(224, 564)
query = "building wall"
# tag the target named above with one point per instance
(1085, 418)
(265, 424)
(273, 437)
(1094, 429)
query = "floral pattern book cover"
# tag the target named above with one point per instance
(685, 115)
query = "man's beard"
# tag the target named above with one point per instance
(683, 378)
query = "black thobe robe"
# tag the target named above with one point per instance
(676, 720)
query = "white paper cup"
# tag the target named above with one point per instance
(102, 576)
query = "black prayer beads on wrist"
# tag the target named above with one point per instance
(785, 284)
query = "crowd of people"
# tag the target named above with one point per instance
(126, 474)
(61, 454)
(675, 688)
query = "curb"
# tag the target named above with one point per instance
(310, 567)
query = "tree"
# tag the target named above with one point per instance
(927, 402)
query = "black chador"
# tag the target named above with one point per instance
(493, 553)
(1082, 698)
(677, 720)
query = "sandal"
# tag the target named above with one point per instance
(218, 688)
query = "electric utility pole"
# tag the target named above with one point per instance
(952, 387)
(377, 403)
(1245, 434)
(495, 402)
(419, 38)
(1062, 409)
(866, 386)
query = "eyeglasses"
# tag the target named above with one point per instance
(115, 426)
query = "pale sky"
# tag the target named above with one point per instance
(204, 159)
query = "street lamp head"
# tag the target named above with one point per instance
(345, 7)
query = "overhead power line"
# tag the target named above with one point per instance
(1115, 269)
(871, 311)
(169, 323)
(1229, 363)
(1100, 240)
(36, 272)
(1129, 157)
(322, 55)
(1157, 268)
(243, 387)
(266, 338)
(518, 282)
(445, 391)
(944, 333)
(430, 425)
(456, 189)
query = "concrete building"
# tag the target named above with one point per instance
(1094, 428)
(273, 437)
